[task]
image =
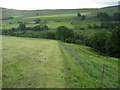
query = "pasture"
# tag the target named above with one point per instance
(45, 63)
(42, 63)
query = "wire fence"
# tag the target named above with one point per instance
(84, 63)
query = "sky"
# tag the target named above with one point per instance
(55, 4)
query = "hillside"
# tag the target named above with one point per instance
(62, 48)
(28, 13)
(43, 63)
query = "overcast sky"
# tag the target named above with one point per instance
(55, 4)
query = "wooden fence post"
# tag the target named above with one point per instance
(103, 67)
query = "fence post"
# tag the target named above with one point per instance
(103, 67)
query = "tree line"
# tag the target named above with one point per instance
(104, 41)
(103, 16)
(104, 25)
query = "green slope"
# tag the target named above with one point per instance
(67, 17)
(41, 63)
(28, 13)
(89, 69)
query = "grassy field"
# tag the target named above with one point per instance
(69, 20)
(30, 13)
(65, 15)
(41, 63)
(45, 63)
(32, 63)
(63, 18)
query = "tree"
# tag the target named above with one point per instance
(41, 27)
(108, 25)
(98, 41)
(116, 17)
(78, 14)
(38, 28)
(103, 16)
(89, 26)
(37, 14)
(50, 35)
(37, 20)
(45, 27)
(113, 44)
(64, 33)
(22, 26)
(95, 26)
(13, 29)
(83, 17)
(10, 23)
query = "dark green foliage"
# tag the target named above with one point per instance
(34, 32)
(108, 25)
(13, 29)
(78, 14)
(78, 38)
(104, 41)
(45, 27)
(22, 26)
(81, 28)
(10, 23)
(19, 22)
(99, 40)
(37, 14)
(104, 25)
(41, 27)
(37, 20)
(64, 33)
(38, 28)
(113, 43)
(89, 26)
(50, 35)
(87, 41)
(83, 17)
(78, 42)
(103, 16)
(68, 40)
(116, 17)
(95, 26)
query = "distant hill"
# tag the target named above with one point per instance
(110, 10)
(26, 13)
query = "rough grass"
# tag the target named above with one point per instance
(91, 65)
(32, 63)
(41, 63)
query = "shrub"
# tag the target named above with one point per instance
(103, 16)
(64, 33)
(50, 35)
(22, 26)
